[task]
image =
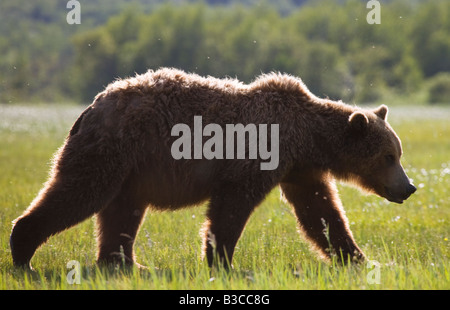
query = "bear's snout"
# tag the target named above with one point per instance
(410, 189)
(400, 196)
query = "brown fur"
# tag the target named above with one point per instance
(116, 162)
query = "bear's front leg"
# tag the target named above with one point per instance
(228, 212)
(321, 216)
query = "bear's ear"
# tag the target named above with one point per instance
(358, 122)
(381, 111)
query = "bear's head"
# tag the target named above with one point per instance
(372, 152)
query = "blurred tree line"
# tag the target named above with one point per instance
(328, 44)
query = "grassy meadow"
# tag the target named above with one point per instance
(410, 242)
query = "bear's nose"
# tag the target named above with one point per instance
(411, 189)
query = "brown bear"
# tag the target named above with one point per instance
(117, 160)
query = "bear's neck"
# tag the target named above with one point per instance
(326, 123)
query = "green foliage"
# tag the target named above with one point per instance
(430, 37)
(328, 44)
(439, 88)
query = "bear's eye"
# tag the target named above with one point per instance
(390, 159)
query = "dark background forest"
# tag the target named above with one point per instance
(329, 44)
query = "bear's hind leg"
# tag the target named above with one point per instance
(82, 183)
(321, 217)
(117, 227)
(56, 208)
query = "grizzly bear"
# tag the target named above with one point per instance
(117, 161)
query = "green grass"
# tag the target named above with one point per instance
(411, 242)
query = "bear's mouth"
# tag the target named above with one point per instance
(392, 198)
(399, 201)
